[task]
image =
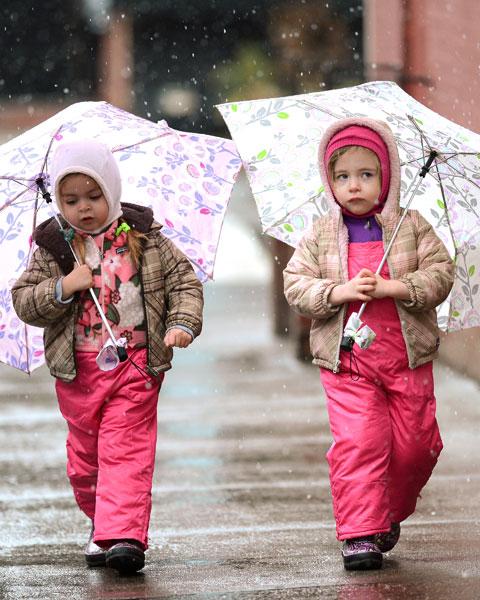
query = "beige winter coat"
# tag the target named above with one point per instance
(418, 258)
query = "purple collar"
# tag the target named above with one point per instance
(362, 229)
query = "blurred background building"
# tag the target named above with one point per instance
(173, 59)
(176, 59)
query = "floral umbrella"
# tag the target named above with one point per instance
(278, 141)
(186, 178)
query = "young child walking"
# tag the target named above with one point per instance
(380, 400)
(151, 297)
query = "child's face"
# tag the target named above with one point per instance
(356, 180)
(83, 203)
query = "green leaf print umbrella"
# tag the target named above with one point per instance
(278, 142)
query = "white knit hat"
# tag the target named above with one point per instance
(94, 159)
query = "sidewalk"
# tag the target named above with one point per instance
(241, 496)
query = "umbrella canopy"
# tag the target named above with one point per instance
(278, 141)
(186, 178)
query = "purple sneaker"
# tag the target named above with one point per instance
(360, 554)
(387, 540)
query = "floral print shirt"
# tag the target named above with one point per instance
(116, 283)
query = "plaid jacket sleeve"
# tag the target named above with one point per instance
(305, 290)
(33, 294)
(183, 290)
(431, 283)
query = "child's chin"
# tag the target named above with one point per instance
(88, 226)
(359, 210)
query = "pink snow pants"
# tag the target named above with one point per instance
(386, 437)
(112, 424)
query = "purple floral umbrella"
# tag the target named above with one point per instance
(186, 178)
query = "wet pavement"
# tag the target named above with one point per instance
(241, 496)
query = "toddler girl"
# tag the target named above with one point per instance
(380, 400)
(151, 297)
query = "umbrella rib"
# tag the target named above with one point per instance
(325, 110)
(26, 347)
(200, 267)
(155, 137)
(413, 160)
(50, 147)
(447, 218)
(12, 200)
(18, 180)
(453, 154)
(44, 165)
(444, 158)
(461, 175)
(423, 137)
(445, 154)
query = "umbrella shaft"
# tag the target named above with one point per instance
(102, 316)
(390, 244)
(92, 293)
(97, 304)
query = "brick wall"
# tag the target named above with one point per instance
(432, 49)
(444, 50)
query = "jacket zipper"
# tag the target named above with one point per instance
(140, 272)
(74, 354)
(336, 366)
(392, 276)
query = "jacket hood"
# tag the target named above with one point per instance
(391, 205)
(94, 159)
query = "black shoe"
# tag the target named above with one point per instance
(125, 557)
(361, 554)
(94, 555)
(388, 540)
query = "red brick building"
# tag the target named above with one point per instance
(429, 47)
(432, 49)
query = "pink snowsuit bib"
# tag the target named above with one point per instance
(386, 437)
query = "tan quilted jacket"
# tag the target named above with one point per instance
(172, 294)
(417, 257)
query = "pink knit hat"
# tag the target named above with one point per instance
(357, 135)
(93, 158)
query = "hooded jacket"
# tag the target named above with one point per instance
(172, 294)
(418, 258)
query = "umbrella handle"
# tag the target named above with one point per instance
(347, 343)
(426, 167)
(121, 351)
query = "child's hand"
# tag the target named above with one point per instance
(361, 288)
(80, 278)
(177, 337)
(382, 287)
(390, 288)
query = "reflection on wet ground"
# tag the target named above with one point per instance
(241, 495)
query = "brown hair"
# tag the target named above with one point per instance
(134, 243)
